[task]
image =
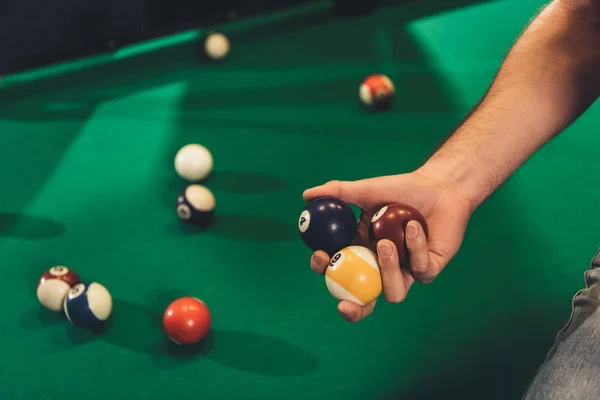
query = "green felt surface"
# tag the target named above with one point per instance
(86, 162)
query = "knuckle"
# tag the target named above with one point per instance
(427, 277)
(427, 280)
(338, 188)
(419, 268)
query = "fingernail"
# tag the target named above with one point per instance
(412, 230)
(385, 250)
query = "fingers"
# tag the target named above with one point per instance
(349, 310)
(419, 261)
(344, 190)
(319, 261)
(353, 312)
(395, 283)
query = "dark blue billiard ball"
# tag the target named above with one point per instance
(327, 224)
(88, 305)
(196, 206)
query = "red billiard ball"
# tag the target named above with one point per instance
(53, 286)
(377, 92)
(187, 320)
(390, 223)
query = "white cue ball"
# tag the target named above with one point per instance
(216, 46)
(193, 162)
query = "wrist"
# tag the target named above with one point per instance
(464, 177)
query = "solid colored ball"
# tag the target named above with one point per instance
(193, 162)
(328, 224)
(88, 305)
(390, 223)
(216, 46)
(53, 286)
(353, 274)
(196, 205)
(187, 320)
(377, 92)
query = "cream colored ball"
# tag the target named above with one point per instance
(216, 46)
(193, 162)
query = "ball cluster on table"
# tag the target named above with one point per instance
(327, 224)
(85, 304)
(88, 304)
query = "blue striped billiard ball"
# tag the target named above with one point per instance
(196, 206)
(328, 224)
(88, 305)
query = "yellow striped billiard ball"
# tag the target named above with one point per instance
(353, 274)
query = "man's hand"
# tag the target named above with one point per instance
(445, 210)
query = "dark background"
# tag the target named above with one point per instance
(34, 33)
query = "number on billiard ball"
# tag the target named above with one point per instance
(328, 224)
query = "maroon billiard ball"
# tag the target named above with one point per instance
(54, 285)
(390, 223)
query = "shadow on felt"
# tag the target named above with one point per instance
(31, 227)
(499, 364)
(139, 328)
(250, 228)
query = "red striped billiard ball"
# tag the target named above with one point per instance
(187, 320)
(377, 92)
(54, 285)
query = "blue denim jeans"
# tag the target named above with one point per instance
(572, 368)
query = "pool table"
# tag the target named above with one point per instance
(86, 165)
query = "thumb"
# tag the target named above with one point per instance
(344, 190)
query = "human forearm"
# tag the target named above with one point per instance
(551, 76)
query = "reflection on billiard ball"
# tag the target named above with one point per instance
(328, 224)
(196, 206)
(88, 305)
(390, 223)
(216, 46)
(187, 320)
(193, 162)
(54, 285)
(353, 274)
(377, 92)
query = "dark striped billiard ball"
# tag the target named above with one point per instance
(196, 205)
(328, 224)
(88, 305)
